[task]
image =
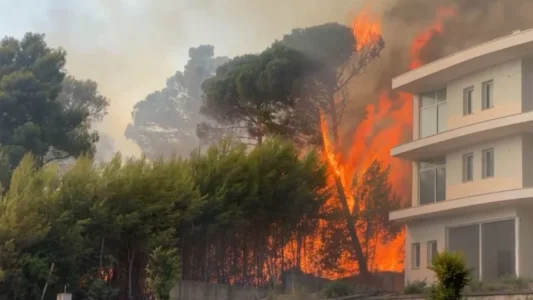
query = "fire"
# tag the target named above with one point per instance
(366, 27)
(388, 123)
(423, 38)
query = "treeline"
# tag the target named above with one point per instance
(115, 228)
(240, 212)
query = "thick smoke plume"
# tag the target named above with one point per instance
(474, 22)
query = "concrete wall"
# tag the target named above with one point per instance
(527, 84)
(527, 160)
(507, 169)
(487, 296)
(513, 169)
(435, 229)
(194, 290)
(306, 283)
(513, 93)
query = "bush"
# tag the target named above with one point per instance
(337, 289)
(101, 290)
(416, 287)
(452, 276)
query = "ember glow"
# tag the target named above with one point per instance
(388, 123)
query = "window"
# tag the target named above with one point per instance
(433, 112)
(488, 95)
(432, 252)
(415, 255)
(488, 163)
(432, 181)
(489, 249)
(466, 240)
(468, 167)
(468, 101)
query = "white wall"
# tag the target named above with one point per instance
(527, 160)
(435, 229)
(513, 169)
(507, 169)
(507, 94)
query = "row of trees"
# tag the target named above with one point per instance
(115, 227)
(280, 91)
(230, 214)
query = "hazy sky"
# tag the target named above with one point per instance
(131, 46)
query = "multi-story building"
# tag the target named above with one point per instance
(472, 154)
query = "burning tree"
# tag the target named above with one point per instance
(340, 58)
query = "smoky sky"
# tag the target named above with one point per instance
(130, 47)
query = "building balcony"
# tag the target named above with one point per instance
(454, 207)
(442, 143)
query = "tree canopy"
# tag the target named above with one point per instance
(339, 58)
(32, 118)
(83, 95)
(253, 93)
(111, 227)
(164, 123)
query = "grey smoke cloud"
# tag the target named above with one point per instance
(131, 47)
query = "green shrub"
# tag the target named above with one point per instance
(101, 290)
(452, 276)
(416, 287)
(337, 289)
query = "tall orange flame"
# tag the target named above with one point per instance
(366, 27)
(388, 123)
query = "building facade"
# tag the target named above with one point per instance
(472, 155)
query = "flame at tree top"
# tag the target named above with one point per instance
(388, 123)
(366, 28)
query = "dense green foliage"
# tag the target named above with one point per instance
(253, 93)
(83, 95)
(452, 276)
(127, 221)
(163, 271)
(32, 116)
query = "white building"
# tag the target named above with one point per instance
(472, 154)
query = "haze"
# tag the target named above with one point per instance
(131, 46)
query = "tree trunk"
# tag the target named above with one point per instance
(350, 222)
(245, 262)
(131, 259)
(206, 277)
(102, 255)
